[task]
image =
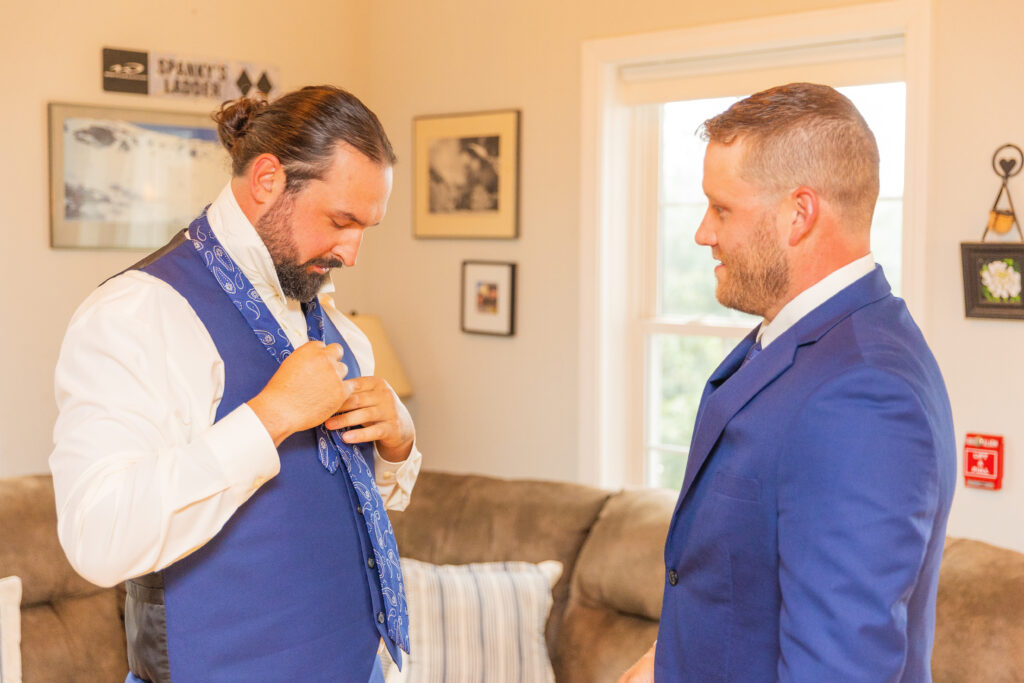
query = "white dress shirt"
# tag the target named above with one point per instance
(814, 296)
(142, 475)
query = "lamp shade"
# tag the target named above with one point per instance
(385, 360)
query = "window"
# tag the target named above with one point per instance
(650, 329)
(686, 332)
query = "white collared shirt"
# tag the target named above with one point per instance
(814, 296)
(141, 473)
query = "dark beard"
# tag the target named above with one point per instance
(277, 232)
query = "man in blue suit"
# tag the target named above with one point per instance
(806, 542)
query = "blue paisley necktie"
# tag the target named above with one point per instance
(332, 450)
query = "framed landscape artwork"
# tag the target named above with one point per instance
(992, 279)
(129, 179)
(466, 170)
(488, 297)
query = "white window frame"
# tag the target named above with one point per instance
(611, 429)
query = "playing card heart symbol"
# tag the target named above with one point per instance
(1007, 165)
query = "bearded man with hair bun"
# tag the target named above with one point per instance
(222, 444)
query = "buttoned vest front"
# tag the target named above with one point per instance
(283, 591)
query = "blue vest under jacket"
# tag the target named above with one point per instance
(283, 592)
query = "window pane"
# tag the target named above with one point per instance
(682, 164)
(680, 366)
(884, 108)
(665, 469)
(886, 236)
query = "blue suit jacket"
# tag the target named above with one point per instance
(806, 542)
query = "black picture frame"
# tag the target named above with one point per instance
(1004, 299)
(488, 298)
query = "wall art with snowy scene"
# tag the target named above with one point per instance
(129, 179)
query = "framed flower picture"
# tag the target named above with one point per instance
(992, 279)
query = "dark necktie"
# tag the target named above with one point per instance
(752, 353)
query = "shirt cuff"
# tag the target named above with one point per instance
(244, 449)
(395, 480)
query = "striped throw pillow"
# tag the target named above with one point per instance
(477, 622)
(10, 630)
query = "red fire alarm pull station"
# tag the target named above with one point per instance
(983, 461)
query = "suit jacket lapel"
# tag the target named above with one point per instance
(723, 372)
(722, 403)
(723, 399)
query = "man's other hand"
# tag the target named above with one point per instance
(307, 389)
(374, 408)
(642, 671)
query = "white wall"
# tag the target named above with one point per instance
(977, 103)
(500, 406)
(490, 405)
(51, 52)
(507, 407)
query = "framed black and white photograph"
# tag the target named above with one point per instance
(128, 178)
(992, 279)
(488, 297)
(466, 181)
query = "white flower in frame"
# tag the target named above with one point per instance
(1001, 279)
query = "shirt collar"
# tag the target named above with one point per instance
(243, 244)
(812, 297)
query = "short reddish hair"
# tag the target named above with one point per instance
(805, 134)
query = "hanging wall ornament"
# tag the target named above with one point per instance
(1006, 162)
(992, 270)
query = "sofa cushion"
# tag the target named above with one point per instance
(477, 622)
(615, 598)
(29, 547)
(599, 644)
(458, 519)
(979, 628)
(62, 639)
(622, 566)
(68, 625)
(10, 630)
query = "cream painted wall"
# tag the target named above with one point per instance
(978, 97)
(51, 52)
(507, 406)
(489, 405)
(496, 405)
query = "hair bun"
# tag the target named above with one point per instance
(234, 118)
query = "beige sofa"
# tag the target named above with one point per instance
(605, 606)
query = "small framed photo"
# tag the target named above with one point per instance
(992, 279)
(466, 176)
(488, 297)
(128, 178)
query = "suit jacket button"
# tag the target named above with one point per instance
(380, 617)
(359, 509)
(673, 577)
(371, 563)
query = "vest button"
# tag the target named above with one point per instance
(371, 563)
(359, 509)
(380, 617)
(673, 577)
